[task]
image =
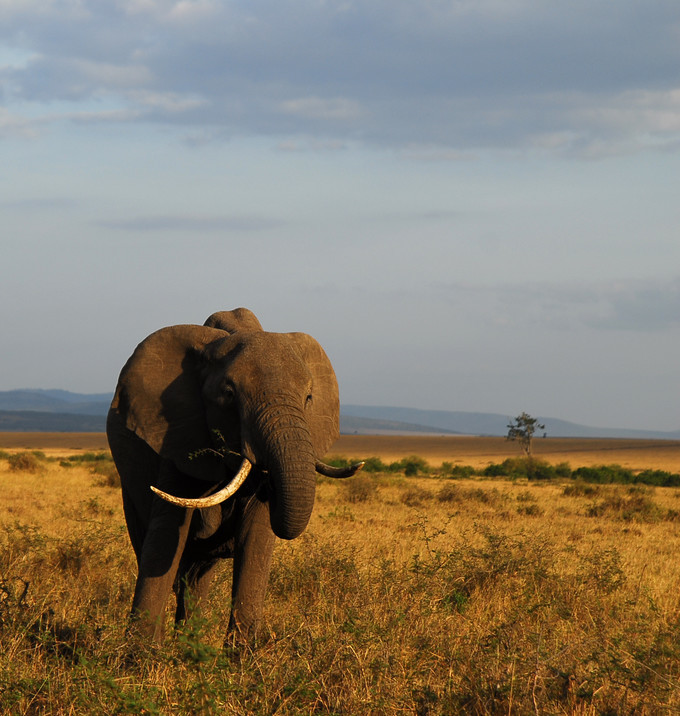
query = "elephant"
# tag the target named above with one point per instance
(193, 406)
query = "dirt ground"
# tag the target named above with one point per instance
(462, 450)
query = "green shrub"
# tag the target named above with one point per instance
(540, 470)
(563, 469)
(523, 467)
(448, 469)
(411, 466)
(374, 464)
(338, 461)
(658, 478)
(605, 474)
(414, 465)
(90, 457)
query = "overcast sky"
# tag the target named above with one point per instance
(472, 204)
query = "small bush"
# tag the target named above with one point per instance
(531, 510)
(634, 508)
(107, 475)
(580, 489)
(359, 489)
(414, 465)
(24, 462)
(415, 496)
(450, 493)
(448, 469)
(486, 497)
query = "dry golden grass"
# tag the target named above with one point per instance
(404, 596)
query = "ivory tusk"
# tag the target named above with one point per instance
(220, 496)
(338, 472)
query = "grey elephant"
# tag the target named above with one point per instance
(217, 432)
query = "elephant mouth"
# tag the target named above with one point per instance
(216, 498)
(231, 488)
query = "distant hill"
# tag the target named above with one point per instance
(33, 421)
(350, 425)
(495, 424)
(35, 410)
(55, 401)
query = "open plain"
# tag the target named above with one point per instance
(463, 450)
(406, 595)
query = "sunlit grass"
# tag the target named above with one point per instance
(421, 595)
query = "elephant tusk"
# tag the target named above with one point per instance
(220, 496)
(338, 472)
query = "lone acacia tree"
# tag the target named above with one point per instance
(522, 429)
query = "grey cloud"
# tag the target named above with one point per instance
(639, 306)
(198, 224)
(570, 77)
(646, 307)
(40, 203)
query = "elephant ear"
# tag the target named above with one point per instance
(324, 420)
(240, 319)
(159, 397)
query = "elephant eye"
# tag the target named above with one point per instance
(228, 395)
(308, 400)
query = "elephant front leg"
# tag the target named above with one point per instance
(158, 564)
(252, 563)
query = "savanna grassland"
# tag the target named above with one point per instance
(443, 592)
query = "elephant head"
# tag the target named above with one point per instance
(230, 387)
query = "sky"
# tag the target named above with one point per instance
(472, 204)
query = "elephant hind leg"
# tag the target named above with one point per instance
(191, 588)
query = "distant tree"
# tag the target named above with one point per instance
(522, 429)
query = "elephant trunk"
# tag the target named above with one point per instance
(290, 461)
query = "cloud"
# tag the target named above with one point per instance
(12, 125)
(645, 307)
(632, 306)
(199, 224)
(571, 78)
(320, 108)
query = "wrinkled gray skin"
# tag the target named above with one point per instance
(273, 398)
